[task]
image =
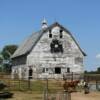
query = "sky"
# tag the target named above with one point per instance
(20, 18)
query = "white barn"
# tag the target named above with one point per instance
(50, 52)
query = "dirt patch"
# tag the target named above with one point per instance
(26, 96)
(82, 96)
(75, 96)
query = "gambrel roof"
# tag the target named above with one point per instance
(31, 41)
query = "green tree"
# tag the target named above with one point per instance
(1, 62)
(98, 69)
(1, 59)
(7, 52)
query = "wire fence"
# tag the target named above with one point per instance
(37, 85)
(49, 88)
(33, 85)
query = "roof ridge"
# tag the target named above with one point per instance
(32, 40)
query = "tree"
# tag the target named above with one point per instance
(7, 52)
(93, 72)
(1, 59)
(1, 62)
(98, 69)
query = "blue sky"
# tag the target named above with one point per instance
(19, 18)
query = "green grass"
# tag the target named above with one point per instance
(36, 86)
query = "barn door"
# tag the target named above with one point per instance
(30, 73)
(57, 70)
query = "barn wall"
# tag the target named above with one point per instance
(41, 57)
(19, 69)
(19, 60)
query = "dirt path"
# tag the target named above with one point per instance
(82, 96)
(74, 96)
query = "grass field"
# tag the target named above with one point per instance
(37, 86)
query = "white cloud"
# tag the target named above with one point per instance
(98, 56)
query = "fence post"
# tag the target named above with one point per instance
(19, 84)
(46, 90)
(72, 76)
(45, 94)
(97, 87)
(67, 95)
(29, 84)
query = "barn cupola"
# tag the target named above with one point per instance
(44, 24)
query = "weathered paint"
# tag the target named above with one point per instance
(43, 62)
(41, 57)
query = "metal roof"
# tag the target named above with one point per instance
(27, 44)
(31, 41)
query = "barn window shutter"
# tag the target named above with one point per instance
(50, 34)
(61, 35)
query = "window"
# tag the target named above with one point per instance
(56, 46)
(61, 35)
(68, 70)
(30, 73)
(57, 70)
(43, 70)
(50, 35)
(46, 69)
(78, 60)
